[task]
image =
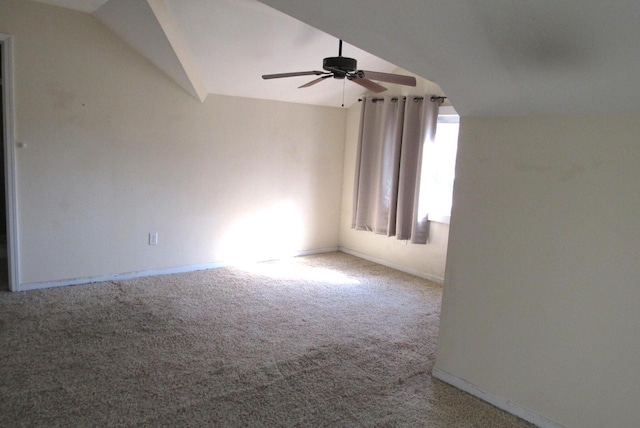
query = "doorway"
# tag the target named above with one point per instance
(9, 279)
(4, 262)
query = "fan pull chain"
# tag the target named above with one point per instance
(343, 83)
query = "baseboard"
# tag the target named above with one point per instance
(316, 251)
(393, 265)
(155, 272)
(501, 403)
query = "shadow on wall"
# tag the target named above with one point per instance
(269, 234)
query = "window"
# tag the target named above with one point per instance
(405, 166)
(438, 168)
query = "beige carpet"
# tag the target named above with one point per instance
(320, 341)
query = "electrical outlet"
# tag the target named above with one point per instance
(153, 238)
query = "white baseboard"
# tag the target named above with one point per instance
(316, 251)
(501, 403)
(145, 273)
(393, 265)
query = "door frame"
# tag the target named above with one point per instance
(8, 103)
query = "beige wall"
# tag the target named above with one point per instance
(541, 292)
(115, 150)
(424, 260)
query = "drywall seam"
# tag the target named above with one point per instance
(141, 274)
(177, 42)
(393, 265)
(501, 403)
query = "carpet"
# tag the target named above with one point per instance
(328, 340)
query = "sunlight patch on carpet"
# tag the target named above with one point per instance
(298, 272)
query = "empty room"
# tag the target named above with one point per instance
(196, 234)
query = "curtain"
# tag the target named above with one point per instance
(378, 156)
(393, 133)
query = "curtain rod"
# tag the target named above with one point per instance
(433, 98)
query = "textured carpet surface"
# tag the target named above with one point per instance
(326, 340)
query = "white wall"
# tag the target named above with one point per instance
(541, 292)
(115, 150)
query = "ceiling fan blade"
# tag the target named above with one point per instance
(390, 78)
(294, 74)
(372, 86)
(313, 82)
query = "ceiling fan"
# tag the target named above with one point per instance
(340, 67)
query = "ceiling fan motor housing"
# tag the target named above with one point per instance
(340, 63)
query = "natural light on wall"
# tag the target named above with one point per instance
(438, 170)
(268, 234)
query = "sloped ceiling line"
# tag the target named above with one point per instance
(180, 48)
(150, 30)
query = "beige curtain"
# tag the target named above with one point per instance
(393, 132)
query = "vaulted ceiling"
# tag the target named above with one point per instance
(224, 47)
(500, 57)
(495, 57)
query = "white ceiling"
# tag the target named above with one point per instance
(495, 57)
(232, 43)
(235, 42)
(500, 57)
(88, 6)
